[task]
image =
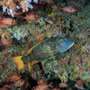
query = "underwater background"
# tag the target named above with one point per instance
(44, 44)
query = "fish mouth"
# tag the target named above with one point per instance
(70, 46)
(64, 44)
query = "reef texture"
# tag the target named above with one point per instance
(38, 25)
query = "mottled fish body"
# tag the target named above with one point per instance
(49, 48)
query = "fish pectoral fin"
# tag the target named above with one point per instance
(27, 51)
(30, 65)
(33, 62)
(30, 50)
(19, 62)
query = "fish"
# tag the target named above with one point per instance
(47, 20)
(47, 49)
(6, 22)
(68, 9)
(79, 84)
(31, 17)
(5, 42)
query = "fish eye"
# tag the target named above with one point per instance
(61, 40)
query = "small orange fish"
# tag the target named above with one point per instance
(79, 84)
(19, 83)
(5, 87)
(6, 22)
(68, 9)
(50, 21)
(31, 17)
(63, 85)
(13, 78)
(56, 89)
(5, 42)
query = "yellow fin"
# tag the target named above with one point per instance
(30, 50)
(33, 62)
(30, 65)
(51, 53)
(19, 63)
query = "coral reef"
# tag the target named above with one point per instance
(11, 6)
(69, 70)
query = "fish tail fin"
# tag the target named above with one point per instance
(19, 62)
